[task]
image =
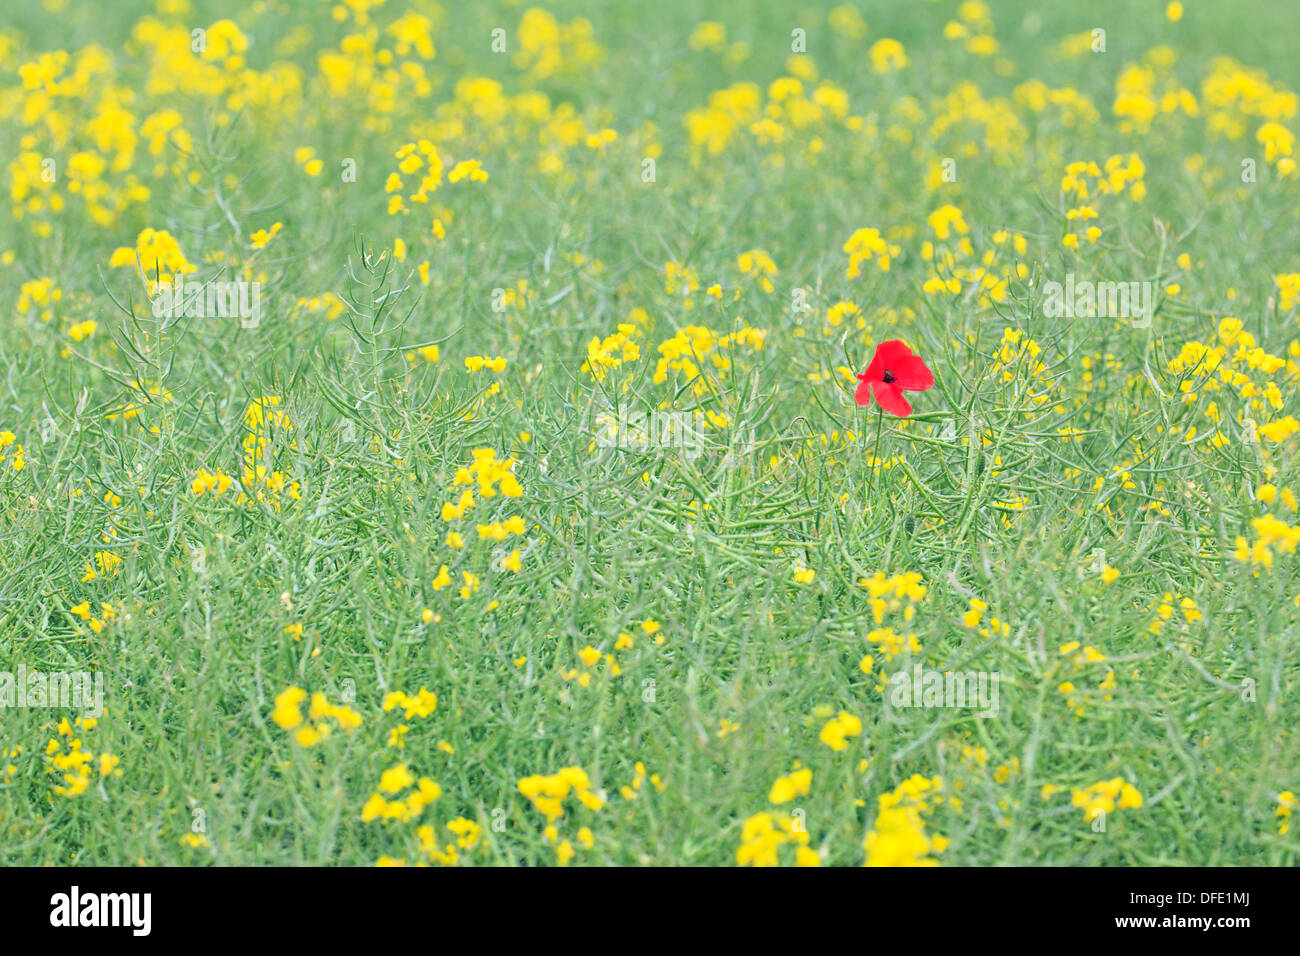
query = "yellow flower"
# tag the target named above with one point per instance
(887, 55)
(973, 616)
(421, 704)
(795, 784)
(287, 711)
(898, 836)
(469, 169)
(260, 238)
(564, 853)
(396, 779)
(1105, 797)
(836, 732)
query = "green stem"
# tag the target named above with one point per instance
(875, 452)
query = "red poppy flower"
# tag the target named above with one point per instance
(893, 370)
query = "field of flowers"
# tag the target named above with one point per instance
(449, 433)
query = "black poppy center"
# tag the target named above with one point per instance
(888, 377)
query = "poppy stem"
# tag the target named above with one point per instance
(875, 451)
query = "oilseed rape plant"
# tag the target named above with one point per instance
(580, 434)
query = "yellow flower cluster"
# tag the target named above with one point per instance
(58, 94)
(839, 729)
(1117, 174)
(11, 451)
(758, 263)
(7, 770)
(79, 331)
(75, 765)
(762, 836)
(1105, 797)
(888, 595)
(797, 783)
(549, 48)
(898, 836)
(633, 790)
(375, 80)
(867, 245)
(843, 310)
(265, 424)
(1146, 90)
(799, 112)
(420, 705)
(887, 55)
(1075, 658)
(973, 619)
(1236, 97)
(146, 393)
(467, 835)
(947, 221)
(262, 237)
(1278, 142)
(1223, 367)
(470, 169)
(686, 351)
(157, 255)
(288, 715)
(216, 482)
(1020, 355)
(680, 280)
(106, 611)
(548, 793)
(955, 266)
(490, 475)
(974, 27)
(1272, 534)
(500, 530)
(419, 794)
(101, 564)
(890, 643)
(611, 351)
(411, 157)
(39, 296)
(590, 657)
(1288, 290)
(1269, 494)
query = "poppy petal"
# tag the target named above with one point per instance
(876, 370)
(863, 395)
(911, 373)
(891, 399)
(892, 352)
